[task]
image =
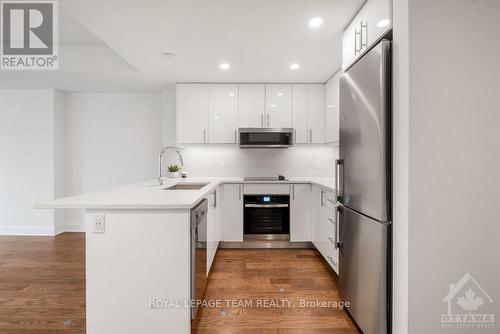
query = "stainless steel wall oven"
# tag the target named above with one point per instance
(266, 217)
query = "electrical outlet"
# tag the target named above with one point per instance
(99, 223)
(316, 164)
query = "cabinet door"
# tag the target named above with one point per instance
(350, 44)
(316, 113)
(279, 106)
(252, 105)
(315, 211)
(376, 18)
(300, 212)
(220, 212)
(373, 21)
(212, 229)
(233, 212)
(332, 109)
(192, 113)
(223, 113)
(299, 113)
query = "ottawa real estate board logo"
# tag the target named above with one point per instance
(469, 306)
(29, 35)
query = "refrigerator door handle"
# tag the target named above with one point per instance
(337, 227)
(339, 182)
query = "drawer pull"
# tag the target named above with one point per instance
(331, 220)
(331, 240)
(331, 260)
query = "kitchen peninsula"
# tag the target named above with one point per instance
(138, 243)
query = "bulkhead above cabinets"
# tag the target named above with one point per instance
(209, 113)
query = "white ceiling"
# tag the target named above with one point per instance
(118, 44)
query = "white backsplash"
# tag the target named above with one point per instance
(230, 160)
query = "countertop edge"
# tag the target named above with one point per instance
(72, 202)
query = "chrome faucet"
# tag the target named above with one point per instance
(177, 149)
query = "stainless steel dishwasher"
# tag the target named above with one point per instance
(198, 254)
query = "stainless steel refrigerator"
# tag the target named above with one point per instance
(364, 189)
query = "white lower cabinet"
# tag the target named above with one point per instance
(300, 212)
(325, 226)
(213, 223)
(233, 212)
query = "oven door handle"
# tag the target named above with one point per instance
(266, 205)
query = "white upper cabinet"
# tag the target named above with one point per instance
(373, 21)
(299, 113)
(192, 113)
(278, 106)
(316, 113)
(212, 113)
(252, 105)
(223, 113)
(332, 91)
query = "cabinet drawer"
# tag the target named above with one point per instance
(333, 259)
(328, 199)
(266, 189)
(328, 230)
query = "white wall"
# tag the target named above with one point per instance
(454, 225)
(111, 139)
(400, 138)
(230, 160)
(59, 163)
(27, 160)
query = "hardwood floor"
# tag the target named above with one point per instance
(264, 275)
(42, 284)
(42, 290)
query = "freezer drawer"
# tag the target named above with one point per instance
(363, 279)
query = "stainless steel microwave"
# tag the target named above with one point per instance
(265, 137)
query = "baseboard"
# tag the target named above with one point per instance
(74, 228)
(27, 230)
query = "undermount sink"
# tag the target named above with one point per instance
(187, 186)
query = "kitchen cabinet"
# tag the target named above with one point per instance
(316, 113)
(299, 113)
(251, 105)
(372, 22)
(213, 227)
(223, 113)
(315, 210)
(233, 212)
(192, 113)
(324, 225)
(266, 189)
(300, 212)
(278, 106)
(332, 114)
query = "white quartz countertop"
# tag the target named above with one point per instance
(150, 196)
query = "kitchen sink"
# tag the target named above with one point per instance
(187, 186)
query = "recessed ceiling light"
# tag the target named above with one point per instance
(279, 94)
(315, 22)
(224, 66)
(231, 94)
(383, 23)
(294, 66)
(273, 106)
